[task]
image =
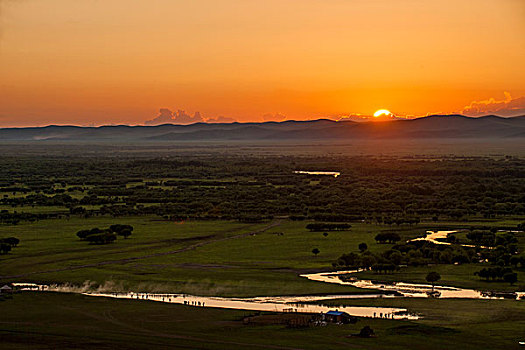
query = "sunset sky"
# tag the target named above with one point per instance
(93, 62)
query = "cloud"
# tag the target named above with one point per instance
(277, 117)
(166, 116)
(220, 119)
(507, 107)
(356, 117)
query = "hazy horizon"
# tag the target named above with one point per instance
(357, 119)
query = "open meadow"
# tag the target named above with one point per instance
(248, 226)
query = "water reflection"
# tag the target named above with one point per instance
(438, 237)
(403, 289)
(302, 304)
(276, 304)
(330, 173)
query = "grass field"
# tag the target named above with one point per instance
(231, 259)
(70, 321)
(206, 257)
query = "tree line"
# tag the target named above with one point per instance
(105, 236)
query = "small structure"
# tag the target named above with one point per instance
(6, 289)
(339, 317)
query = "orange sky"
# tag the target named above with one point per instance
(120, 61)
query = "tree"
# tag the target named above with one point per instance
(393, 237)
(367, 260)
(483, 273)
(432, 278)
(396, 257)
(362, 247)
(388, 236)
(82, 234)
(124, 233)
(119, 228)
(12, 241)
(350, 259)
(316, 251)
(515, 260)
(510, 277)
(366, 332)
(380, 238)
(4, 248)
(102, 238)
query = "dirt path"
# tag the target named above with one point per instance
(136, 258)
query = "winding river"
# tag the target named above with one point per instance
(406, 290)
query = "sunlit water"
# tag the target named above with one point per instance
(330, 173)
(436, 237)
(303, 304)
(402, 289)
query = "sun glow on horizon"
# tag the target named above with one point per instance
(382, 112)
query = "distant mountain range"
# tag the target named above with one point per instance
(431, 127)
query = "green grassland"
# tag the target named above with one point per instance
(228, 258)
(70, 321)
(209, 257)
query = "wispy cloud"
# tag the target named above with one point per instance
(506, 108)
(277, 117)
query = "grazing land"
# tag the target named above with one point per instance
(241, 223)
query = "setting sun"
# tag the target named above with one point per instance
(382, 112)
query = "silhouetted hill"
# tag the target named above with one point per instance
(431, 127)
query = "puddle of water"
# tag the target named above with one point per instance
(330, 173)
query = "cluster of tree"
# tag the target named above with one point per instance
(498, 273)
(484, 238)
(14, 218)
(122, 230)
(504, 251)
(517, 260)
(6, 244)
(105, 236)
(491, 238)
(390, 190)
(329, 217)
(398, 220)
(317, 227)
(418, 253)
(390, 237)
(366, 260)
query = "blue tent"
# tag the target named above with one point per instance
(335, 313)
